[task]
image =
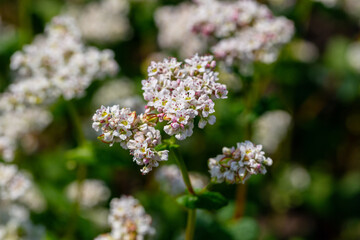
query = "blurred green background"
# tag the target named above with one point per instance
(312, 191)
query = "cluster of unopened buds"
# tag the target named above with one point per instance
(128, 220)
(236, 165)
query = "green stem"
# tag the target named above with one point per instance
(81, 176)
(191, 221)
(184, 172)
(81, 170)
(190, 228)
(80, 137)
(255, 88)
(25, 25)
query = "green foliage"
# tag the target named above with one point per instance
(203, 200)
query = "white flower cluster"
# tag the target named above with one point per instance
(15, 124)
(260, 42)
(14, 218)
(170, 179)
(133, 132)
(353, 56)
(128, 220)
(236, 165)
(56, 64)
(5, 30)
(352, 7)
(174, 24)
(15, 224)
(303, 51)
(104, 21)
(90, 192)
(271, 128)
(180, 92)
(241, 31)
(13, 183)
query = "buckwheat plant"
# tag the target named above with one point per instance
(236, 165)
(56, 64)
(15, 220)
(179, 92)
(133, 132)
(128, 220)
(175, 93)
(92, 192)
(238, 32)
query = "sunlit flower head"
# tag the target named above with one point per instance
(236, 165)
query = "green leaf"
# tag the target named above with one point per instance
(82, 154)
(206, 200)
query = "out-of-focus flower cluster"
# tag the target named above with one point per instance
(353, 56)
(236, 165)
(242, 31)
(15, 224)
(180, 92)
(5, 29)
(303, 51)
(128, 220)
(55, 64)
(17, 188)
(174, 24)
(104, 21)
(89, 193)
(15, 124)
(271, 128)
(13, 184)
(170, 179)
(133, 132)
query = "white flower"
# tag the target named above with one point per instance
(258, 43)
(56, 64)
(241, 31)
(174, 24)
(90, 192)
(15, 124)
(180, 92)
(271, 128)
(103, 21)
(132, 132)
(15, 224)
(128, 220)
(236, 165)
(13, 184)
